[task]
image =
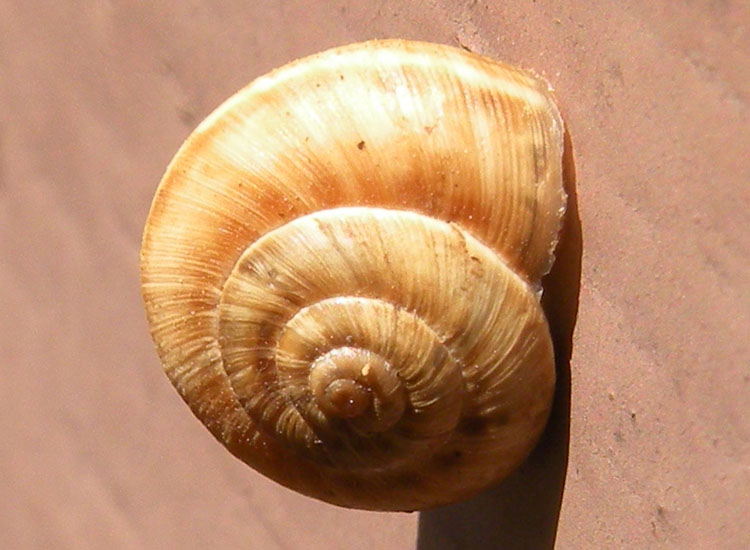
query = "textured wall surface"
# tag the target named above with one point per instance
(99, 451)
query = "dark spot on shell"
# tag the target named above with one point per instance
(447, 460)
(361, 145)
(475, 425)
(266, 330)
(501, 418)
(290, 297)
(472, 425)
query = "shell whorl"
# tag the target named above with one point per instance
(341, 271)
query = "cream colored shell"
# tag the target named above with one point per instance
(341, 270)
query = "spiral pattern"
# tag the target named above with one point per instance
(341, 272)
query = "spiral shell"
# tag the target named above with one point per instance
(341, 270)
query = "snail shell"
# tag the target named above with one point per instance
(341, 270)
